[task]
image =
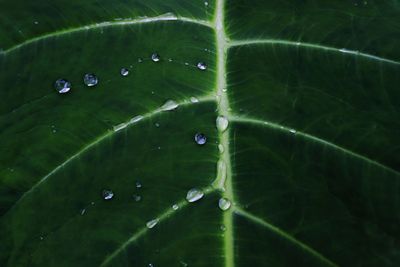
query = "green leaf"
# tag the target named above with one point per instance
(306, 173)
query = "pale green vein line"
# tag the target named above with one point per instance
(224, 174)
(168, 213)
(143, 20)
(101, 138)
(279, 127)
(313, 46)
(283, 234)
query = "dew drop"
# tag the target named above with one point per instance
(169, 105)
(224, 203)
(194, 194)
(107, 194)
(175, 207)
(152, 223)
(155, 57)
(137, 198)
(90, 79)
(124, 72)
(136, 119)
(194, 99)
(201, 66)
(200, 139)
(221, 148)
(222, 123)
(62, 86)
(138, 184)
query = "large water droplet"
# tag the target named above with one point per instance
(200, 139)
(224, 203)
(155, 57)
(222, 123)
(194, 194)
(124, 72)
(107, 194)
(175, 207)
(152, 223)
(62, 86)
(169, 105)
(201, 66)
(90, 79)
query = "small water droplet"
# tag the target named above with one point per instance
(140, 60)
(222, 123)
(293, 131)
(169, 105)
(157, 124)
(175, 207)
(151, 265)
(222, 228)
(138, 184)
(184, 264)
(107, 194)
(36, 22)
(170, 60)
(155, 57)
(206, 3)
(224, 203)
(201, 66)
(124, 72)
(186, 63)
(41, 238)
(152, 223)
(200, 139)
(221, 148)
(62, 86)
(194, 194)
(119, 127)
(136, 119)
(194, 99)
(137, 198)
(83, 211)
(90, 79)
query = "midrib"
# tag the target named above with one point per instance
(223, 110)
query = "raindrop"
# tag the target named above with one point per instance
(137, 198)
(107, 194)
(175, 207)
(221, 148)
(169, 105)
(200, 139)
(222, 123)
(194, 194)
(194, 99)
(62, 86)
(152, 223)
(124, 72)
(136, 119)
(138, 184)
(90, 79)
(224, 203)
(155, 57)
(201, 66)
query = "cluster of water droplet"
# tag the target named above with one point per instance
(63, 86)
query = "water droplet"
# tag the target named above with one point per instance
(83, 211)
(194, 99)
(136, 119)
(151, 265)
(184, 264)
(90, 79)
(124, 72)
(194, 194)
(169, 105)
(107, 194)
(140, 60)
(206, 3)
(200, 139)
(293, 131)
(119, 127)
(222, 123)
(201, 66)
(224, 203)
(152, 223)
(157, 124)
(223, 228)
(138, 184)
(221, 148)
(62, 86)
(170, 60)
(41, 238)
(175, 207)
(155, 57)
(186, 63)
(137, 198)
